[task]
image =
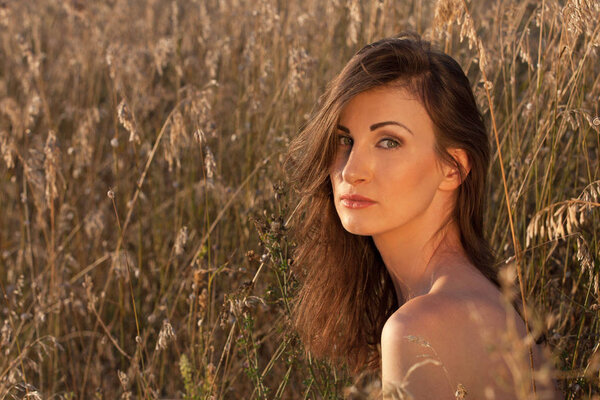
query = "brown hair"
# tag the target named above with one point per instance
(346, 293)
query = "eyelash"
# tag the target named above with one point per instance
(398, 143)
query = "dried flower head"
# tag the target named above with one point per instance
(164, 49)
(298, 64)
(7, 148)
(211, 166)
(51, 163)
(126, 118)
(33, 110)
(461, 392)
(203, 300)
(580, 16)
(586, 262)
(91, 297)
(199, 136)
(5, 335)
(201, 110)
(565, 217)
(178, 140)
(446, 12)
(123, 379)
(180, 241)
(165, 336)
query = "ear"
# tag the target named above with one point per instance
(452, 178)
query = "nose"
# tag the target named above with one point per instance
(358, 167)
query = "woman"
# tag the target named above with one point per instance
(390, 251)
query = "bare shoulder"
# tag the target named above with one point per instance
(411, 365)
(446, 314)
(439, 343)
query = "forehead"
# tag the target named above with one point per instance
(383, 104)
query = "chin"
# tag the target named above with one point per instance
(361, 225)
(357, 229)
(359, 233)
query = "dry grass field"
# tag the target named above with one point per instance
(143, 205)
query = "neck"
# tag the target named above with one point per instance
(416, 258)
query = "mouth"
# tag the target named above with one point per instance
(356, 201)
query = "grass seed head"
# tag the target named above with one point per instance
(127, 119)
(165, 336)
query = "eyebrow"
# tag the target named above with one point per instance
(377, 126)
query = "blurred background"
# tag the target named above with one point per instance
(143, 206)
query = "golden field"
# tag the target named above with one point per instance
(143, 205)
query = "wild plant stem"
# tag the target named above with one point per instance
(518, 255)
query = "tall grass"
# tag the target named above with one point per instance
(143, 206)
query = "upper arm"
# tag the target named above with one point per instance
(410, 362)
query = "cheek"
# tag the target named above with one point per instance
(332, 178)
(335, 172)
(416, 178)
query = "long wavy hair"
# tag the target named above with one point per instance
(346, 294)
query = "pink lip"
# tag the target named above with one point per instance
(356, 201)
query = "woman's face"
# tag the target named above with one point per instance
(385, 152)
